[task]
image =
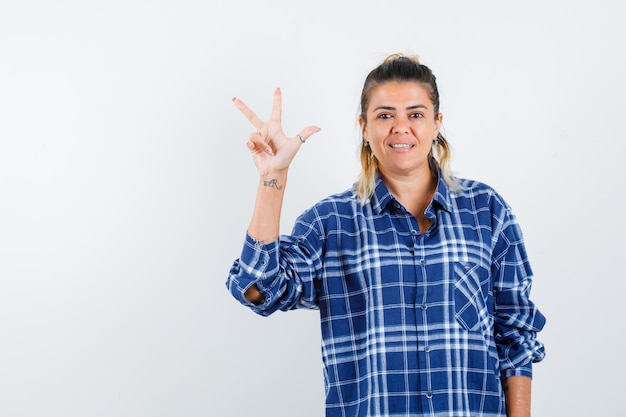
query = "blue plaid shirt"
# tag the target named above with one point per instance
(412, 324)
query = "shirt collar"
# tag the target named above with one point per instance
(442, 192)
(382, 196)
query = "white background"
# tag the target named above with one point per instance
(126, 187)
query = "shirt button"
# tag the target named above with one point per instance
(422, 261)
(424, 307)
(262, 261)
(413, 233)
(426, 349)
(429, 395)
(396, 204)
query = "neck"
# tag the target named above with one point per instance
(415, 191)
(415, 186)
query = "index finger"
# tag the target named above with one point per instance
(250, 115)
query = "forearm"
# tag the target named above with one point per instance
(265, 223)
(517, 391)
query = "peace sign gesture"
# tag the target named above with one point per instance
(272, 151)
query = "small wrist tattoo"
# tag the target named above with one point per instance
(272, 183)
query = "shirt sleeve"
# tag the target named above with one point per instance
(284, 272)
(517, 319)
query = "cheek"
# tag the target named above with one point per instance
(429, 129)
(369, 133)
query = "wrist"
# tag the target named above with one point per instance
(274, 179)
(274, 174)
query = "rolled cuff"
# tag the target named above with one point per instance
(257, 265)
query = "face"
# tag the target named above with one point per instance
(401, 127)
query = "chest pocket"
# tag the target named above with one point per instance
(473, 297)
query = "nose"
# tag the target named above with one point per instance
(401, 125)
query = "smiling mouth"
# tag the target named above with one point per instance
(401, 146)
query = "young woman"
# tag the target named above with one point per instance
(421, 278)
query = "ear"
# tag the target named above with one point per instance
(362, 126)
(438, 121)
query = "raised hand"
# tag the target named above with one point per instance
(272, 151)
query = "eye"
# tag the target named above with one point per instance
(417, 115)
(384, 116)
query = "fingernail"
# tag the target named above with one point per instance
(269, 151)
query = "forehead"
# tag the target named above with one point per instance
(400, 94)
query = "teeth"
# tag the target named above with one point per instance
(401, 145)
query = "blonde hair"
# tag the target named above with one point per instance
(398, 67)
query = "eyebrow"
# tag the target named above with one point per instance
(416, 106)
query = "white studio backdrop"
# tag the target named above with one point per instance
(126, 187)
